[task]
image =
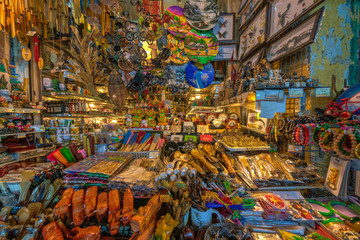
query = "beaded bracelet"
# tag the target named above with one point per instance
(301, 134)
(344, 144)
(327, 139)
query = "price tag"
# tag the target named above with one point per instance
(154, 154)
(206, 138)
(323, 92)
(53, 71)
(166, 132)
(296, 92)
(295, 148)
(52, 93)
(274, 94)
(22, 135)
(202, 128)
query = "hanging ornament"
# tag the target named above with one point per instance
(36, 48)
(177, 25)
(201, 14)
(26, 54)
(41, 63)
(201, 46)
(177, 53)
(175, 77)
(117, 89)
(198, 77)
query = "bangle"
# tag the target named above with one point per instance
(325, 214)
(351, 206)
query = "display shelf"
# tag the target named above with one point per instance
(19, 134)
(19, 110)
(291, 188)
(51, 96)
(144, 130)
(246, 149)
(29, 154)
(79, 115)
(253, 130)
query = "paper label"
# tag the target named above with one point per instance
(296, 92)
(295, 148)
(206, 138)
(323, 92)
(289, 195)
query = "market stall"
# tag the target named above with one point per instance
(174, 120)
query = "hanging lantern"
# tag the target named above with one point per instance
(117, 89)
(177, 24)
(201, 15)
(198, 77)
(201, 46)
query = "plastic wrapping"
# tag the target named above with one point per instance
(114, 211)
(63, 208)
(58, 155)
(128, 207)
(78, 207)
(90, 201)
(65, 151)
(52, 232)
(89, 233)
(102, 206)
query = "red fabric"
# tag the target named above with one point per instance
(36, 49)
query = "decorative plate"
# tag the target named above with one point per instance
(217, 123)
(233, 116)
(175, 77)
(178, 26)
(201, 46)
(201, 14)
(177, 53)
(223, 117)
(199, 78)
(231, 123)
(211, 117)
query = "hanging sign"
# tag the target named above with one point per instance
(323, 92)
(41, 63)
(296, 92)
(26, 54)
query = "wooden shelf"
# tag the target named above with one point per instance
(19, 110)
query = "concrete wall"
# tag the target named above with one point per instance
(336, 49)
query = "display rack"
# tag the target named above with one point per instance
(246, 149)
(19, 110)
(52, 96)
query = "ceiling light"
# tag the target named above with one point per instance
(197, 96)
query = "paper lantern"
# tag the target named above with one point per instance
(177, 26)
(177, 52)
(199, 78)
(117, 89)
(201, 14)
(175, 77)
(201, 46)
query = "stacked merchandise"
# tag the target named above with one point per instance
(138, 142)
(96, 169)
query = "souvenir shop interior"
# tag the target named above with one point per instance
(179, 119)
